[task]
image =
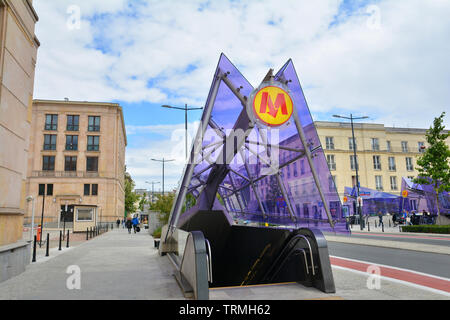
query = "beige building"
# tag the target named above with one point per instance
(384, 154)
(18, 50)
(76, 160)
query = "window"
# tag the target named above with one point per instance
(95, 189)
(350, 144)
(42, 189)
(404, 146)
(331, 162)
(353, 163)
(375, 144)
(409, 165)
(73, 123)
(50, 189)
(376, 163)
(378, 183)
(421, 146)
(388, 146)
(92, 164)
(87, 189)
(85, 214)
(393, 183)
(93, 143)
(302, 167)
(295, 169)
(71, 142)
(70, 164)
(51, 122)
(48, 163)
(94, 123)
(288, 169)
(329, 143)
(392, 166)
(49, 141)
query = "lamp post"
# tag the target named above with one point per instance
(351, 118)
(30, 198)
(163, 161)
(153, 185)
(186, 109)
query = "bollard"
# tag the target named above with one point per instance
(375, 224)
(67, 245)
(87, 233)
(90, 231)
(47, 253)
(34, 249)
(60, 236)
(389, 223)
(368, 226)
(382, 226)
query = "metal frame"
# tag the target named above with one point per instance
(219, 170)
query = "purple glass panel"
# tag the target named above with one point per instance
(251, 190)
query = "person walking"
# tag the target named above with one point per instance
(118, 223)
(129, 224)
(135, 223)
(380, 217)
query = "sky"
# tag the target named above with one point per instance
(385, 59)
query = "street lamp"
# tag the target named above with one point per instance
(153, 185)
(351, 118)
(163, 161)
(186, 109)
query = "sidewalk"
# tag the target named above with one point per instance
(114, 265)
(121, 266)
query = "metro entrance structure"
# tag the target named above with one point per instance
(256, 192)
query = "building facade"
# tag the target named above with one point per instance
(18, 51)
(76, 162)
(384, 154)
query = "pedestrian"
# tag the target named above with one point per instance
(380, 217)
(129, 224)
(118, 223)
(123, 223)
(394, 218)
(135, 223)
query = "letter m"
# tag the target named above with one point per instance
(267, 103)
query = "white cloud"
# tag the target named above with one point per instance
(396, 74)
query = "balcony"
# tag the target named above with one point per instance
(67, 174)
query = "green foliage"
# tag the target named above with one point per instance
(157, 233)
(130, 196)
(164, 205)
(433, 164)
(427, 229)
(142, 202)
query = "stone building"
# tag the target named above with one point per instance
(18, 51)
(76, 161)
(384, 154)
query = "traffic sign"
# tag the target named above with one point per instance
(404, 193)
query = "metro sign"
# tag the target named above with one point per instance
(271, 105)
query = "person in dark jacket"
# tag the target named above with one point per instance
(118, 223)
(129, 225)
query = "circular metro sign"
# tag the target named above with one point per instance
(271, 105)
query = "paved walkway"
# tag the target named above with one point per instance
(114, 265)
(118, 266)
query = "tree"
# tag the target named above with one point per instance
(164, 206)
(433, 164)
(142, 202)
(130, 196)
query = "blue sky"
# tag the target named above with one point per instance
(385, 59)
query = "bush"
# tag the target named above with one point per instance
(427, 229)
(157, 233)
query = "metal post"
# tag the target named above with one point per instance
(42, 217)
(67, 238)
(60, 238)
(48, 245)
(87, 233)
(368, 226)
(34, 249)
(382, 226)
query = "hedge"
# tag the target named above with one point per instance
(427, 229)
